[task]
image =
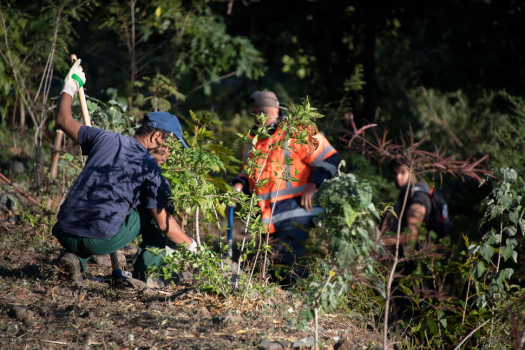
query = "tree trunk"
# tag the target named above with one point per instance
(369, 64)
(22, 115)
(132, 54)
(13, 122)
(53, 170)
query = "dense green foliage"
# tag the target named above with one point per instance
(451, 70)
(349, 223)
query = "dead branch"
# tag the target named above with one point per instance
(410, 154)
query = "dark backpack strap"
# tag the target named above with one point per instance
(421, 188)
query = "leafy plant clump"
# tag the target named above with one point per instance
(211, 272)
(504, 218)
(350, 225)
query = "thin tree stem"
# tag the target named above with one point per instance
(396, 260)
(132, 53)
(521, 340)
(466, 299)
(316, 311)
(250, 215)
(500, 244)
(216, 215)
(251, 275)
(197, 236)
(270, 225)
(470, 334)
(316, 317)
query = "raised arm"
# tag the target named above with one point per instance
(65, 120)
(75, 79)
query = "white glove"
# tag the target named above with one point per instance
(192, 248)
(169, 251)
(75, 79)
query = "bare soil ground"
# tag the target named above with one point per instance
(39, 309)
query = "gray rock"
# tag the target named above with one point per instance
(231, 319)
(17, 168)
(305, 342)
(105, 260)
(284, 343)
(357, 344)
(235, 278)
(185, 277)
(203, 313)
(90, 338)
(155, 307)
(253, 295)
(265, 344)
(156, 282)
(136, 284)
(8, 201)
(149, 294)
(234, 266)
(21, 313)
(272, 302)
(130, 249)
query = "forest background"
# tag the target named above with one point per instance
(453, 69)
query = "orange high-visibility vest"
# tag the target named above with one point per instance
(276, 191)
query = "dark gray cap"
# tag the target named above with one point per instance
(265, 99)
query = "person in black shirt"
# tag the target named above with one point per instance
(418, 206)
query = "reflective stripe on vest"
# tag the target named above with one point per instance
(320, 163)
(292, 214)
(289, 190)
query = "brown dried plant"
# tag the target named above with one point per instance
(419, 162)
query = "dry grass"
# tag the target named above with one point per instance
(99, 316)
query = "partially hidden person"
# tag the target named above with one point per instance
(286, 206)
(424, 208)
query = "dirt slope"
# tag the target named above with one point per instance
(39, 309)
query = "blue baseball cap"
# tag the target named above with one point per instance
(164, 121)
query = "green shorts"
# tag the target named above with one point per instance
(137, 222)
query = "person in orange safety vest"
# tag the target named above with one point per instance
(287, 206)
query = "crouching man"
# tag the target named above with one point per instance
(120, 193)
(418, 206)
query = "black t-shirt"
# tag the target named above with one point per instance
(419, 194)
